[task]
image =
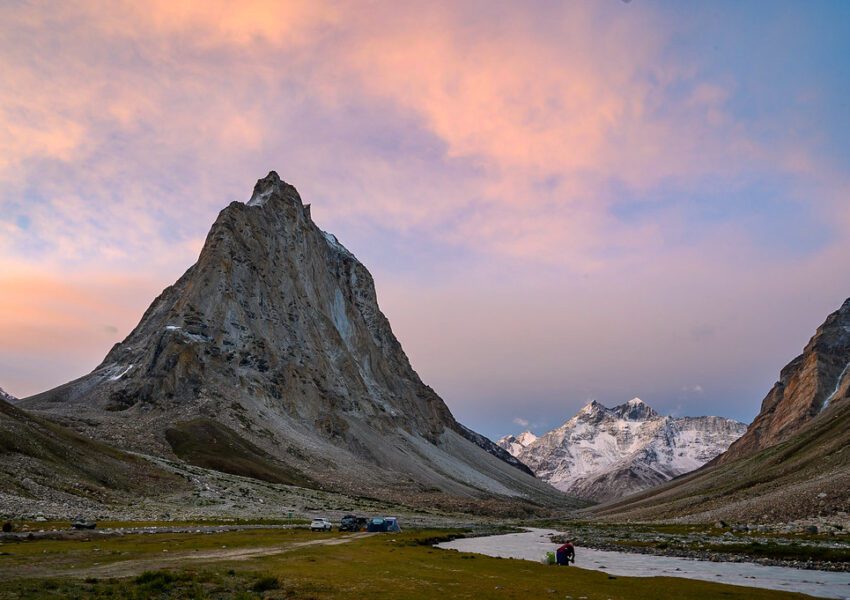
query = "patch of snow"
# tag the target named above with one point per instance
(526, 437)
(515, 444)
(837, 387)
(260, 199)
(334, 243)
(340, 318)
(187, 336)
(121, 374)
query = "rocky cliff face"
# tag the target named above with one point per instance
(607, 453)
(273, 342)
(806, 387)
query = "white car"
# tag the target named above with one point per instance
(321, 524)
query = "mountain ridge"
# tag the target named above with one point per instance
(603, 454)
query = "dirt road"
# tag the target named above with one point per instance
(131, 567)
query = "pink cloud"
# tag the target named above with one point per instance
(504, 133)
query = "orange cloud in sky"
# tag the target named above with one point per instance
(486, 137)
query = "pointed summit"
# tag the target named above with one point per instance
(592, 412)
(517, 443)
(635, 410)
(591, 407)
(526, 438)
(273, 186)
(275, 339)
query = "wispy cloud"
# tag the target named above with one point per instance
(571, 191)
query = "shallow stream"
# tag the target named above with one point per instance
(534, 544)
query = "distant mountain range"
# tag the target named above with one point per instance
(794, 460)
(607, 453)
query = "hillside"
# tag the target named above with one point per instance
(43, 463)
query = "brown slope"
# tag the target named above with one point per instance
(39, 458)
(276, 334)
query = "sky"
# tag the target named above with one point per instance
(559, 201)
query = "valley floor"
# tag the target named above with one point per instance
(295, 563)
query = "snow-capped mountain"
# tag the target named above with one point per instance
(607, 453)
(4, 395)
(517, 443)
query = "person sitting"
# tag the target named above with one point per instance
(566, 554)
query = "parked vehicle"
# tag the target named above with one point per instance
(352, 523)
(320, 524)
(81, 523)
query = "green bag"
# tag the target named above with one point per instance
(550, 558)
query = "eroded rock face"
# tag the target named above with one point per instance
(807, 386)
(276, 335)
(607, 453)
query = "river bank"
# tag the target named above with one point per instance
(533, 544)
(715, 544)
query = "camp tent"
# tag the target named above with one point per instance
(376, 524)
(383, 524)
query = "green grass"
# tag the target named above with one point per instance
(70, 555)
(388, 566)
(66, 524)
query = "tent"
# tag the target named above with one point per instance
(392, 524)
(383, 524)
(376, 524)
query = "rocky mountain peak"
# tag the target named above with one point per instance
(603, 453)
(514, 444)
(6, 396)
(591, 408)
(635, 410)
(526, 437)
(274, 339)
(273, 186)
(808, 386)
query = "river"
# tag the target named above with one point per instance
(533, 544)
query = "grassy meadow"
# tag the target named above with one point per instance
(275, 563)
